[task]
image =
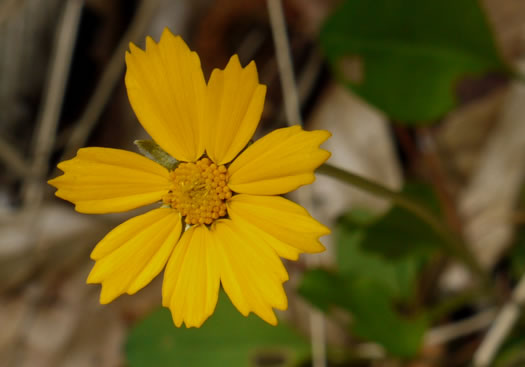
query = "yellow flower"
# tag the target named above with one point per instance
(221, 221)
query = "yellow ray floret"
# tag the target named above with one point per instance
(235, 104)
(271, 218)
(167, 91)
(135, 252)
(252, 275)
(103, 180)
(192, 278)
(278, 163)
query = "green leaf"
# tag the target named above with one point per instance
(226, 339)
(378, 260)
(376, 319)
(397, 276)
(374, 316)
(399, 233)
(405, 56)
(153, 151)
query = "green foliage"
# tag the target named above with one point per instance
(397, 278)
(374, 315)
(378, 260)
(226, 339)
(411, 53)
(399, 233)
(153, 151)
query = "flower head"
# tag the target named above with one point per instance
(220, 219)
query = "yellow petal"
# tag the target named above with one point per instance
(285, 225)
(191, 280)
(235, 104)
(278, 163)
(281, 248)
(135, 252)
(104, 180)
(167, 91)
(251, 272)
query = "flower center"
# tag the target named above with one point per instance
(199, 191)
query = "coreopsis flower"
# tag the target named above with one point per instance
(220, 218)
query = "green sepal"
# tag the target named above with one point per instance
(153, 151)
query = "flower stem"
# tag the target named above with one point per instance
(450, 240)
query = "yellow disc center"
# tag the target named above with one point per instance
(199, 191)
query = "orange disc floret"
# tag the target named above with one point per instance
(199, 191)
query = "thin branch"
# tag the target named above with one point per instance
(443, 334)
(293, 115)
(12, 159)
(284, 62)
(439, 179)
(450, 240)
(502, 326)
(439, 335)
(53, 98)
(306, 79)
(110, 77)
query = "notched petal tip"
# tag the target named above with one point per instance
(167, 33)
(269, 316)
(91, 279)
(53, 181)
(234, 63)
(196, 325)
(272, 320)
(327, 153)
(318, 137)
(326, 133)
(150, 44)
(235, 101)
(63, 165)
(107, 296)
(323, 230)
(133, 51)
(166, 29)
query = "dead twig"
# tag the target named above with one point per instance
(12, 159)
(293, 115)
(501, 327)
(439, 179)
(284, 62)
(443, 334)
(110, 78)
(45, 134)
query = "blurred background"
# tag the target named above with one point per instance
(424, 97)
